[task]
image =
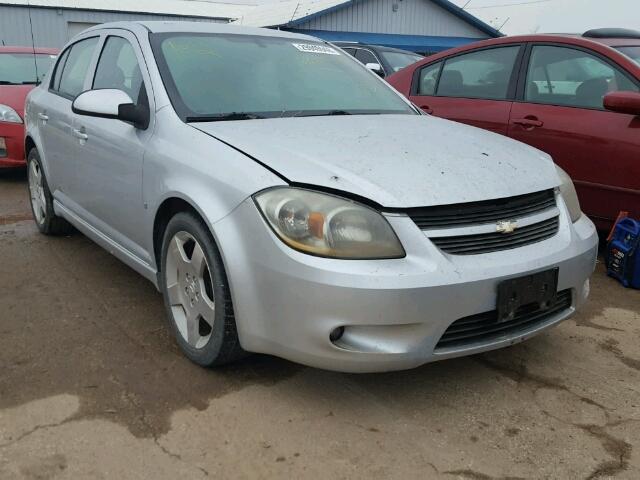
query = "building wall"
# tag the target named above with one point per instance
(412, 17)
(54, 27)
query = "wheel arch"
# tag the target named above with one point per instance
(169, 207)
(29, 143)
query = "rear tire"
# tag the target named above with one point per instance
(41, 199)
(196, 293)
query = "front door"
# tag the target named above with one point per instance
(474, 88)
(111, 152)
(562, 114)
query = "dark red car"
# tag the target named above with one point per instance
(20, 71)
(574, 97)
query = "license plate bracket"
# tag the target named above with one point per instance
(539, 288)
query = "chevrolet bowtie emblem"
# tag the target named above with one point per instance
(506, 226)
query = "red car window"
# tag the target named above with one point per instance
(571, 77)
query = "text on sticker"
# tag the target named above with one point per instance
(311, 48)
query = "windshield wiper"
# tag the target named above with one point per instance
(336, 112)
(224, 116)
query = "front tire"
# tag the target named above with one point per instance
(41, 199)
(196, 293)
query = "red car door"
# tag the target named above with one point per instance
(562, 114)
(475, 87)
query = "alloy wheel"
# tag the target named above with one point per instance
(189, 289)
(36, 191)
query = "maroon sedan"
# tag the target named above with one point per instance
(20, 70)
(574, 97)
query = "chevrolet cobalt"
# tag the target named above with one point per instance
(285, 200)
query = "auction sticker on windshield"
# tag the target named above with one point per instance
(311, 48)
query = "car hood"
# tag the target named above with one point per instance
(398, 161)
(14, 96)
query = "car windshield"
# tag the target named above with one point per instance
(399, 60)
(241, 77)
(23, 68)
(632, 52)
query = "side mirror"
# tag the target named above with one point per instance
(111, 103)
(375, 67)
(623, 102)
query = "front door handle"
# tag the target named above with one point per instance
(529, 122)
(426, 109)
(43, 116)
(80, 134)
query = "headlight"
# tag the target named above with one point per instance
(327, 225)
(568, 192)
(8, 114)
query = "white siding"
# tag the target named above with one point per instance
(413, 17)
(51, 26)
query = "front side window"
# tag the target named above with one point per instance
(24, 68)
(428, 79)
(632, 52)
(569, 77)
(484, 74)
(219, 74)
(118, 68)
(76, 67)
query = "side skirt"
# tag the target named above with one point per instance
(109, 245)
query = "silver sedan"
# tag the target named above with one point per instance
(285, 200)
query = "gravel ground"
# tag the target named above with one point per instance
(93, 386)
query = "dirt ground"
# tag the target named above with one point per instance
(93, 386)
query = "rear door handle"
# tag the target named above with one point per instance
(80, 134)
(528, 122)
(43, 116)
(426, 109)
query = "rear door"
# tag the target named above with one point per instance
(54, 116)
(560, 111)
(476, 88)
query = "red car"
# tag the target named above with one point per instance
(20, 71)
(574, 97)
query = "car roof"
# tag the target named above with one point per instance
(200, 27)
(37, 50)
(344, 43)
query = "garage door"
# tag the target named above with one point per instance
(74, 28)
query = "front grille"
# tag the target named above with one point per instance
(484, 327)
(495, 241)
(489, 211)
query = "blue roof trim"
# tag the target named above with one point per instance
(446, 4)
(466, 16)
(414, 43)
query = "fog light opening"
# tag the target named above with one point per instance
(336, 334)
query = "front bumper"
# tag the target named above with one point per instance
(13, 134)
(394, 311)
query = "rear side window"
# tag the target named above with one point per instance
(569, 77)
(55, 81)
(428, 79)
(365, 56)
(484, 74)
(76, 67)
(118, 68)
